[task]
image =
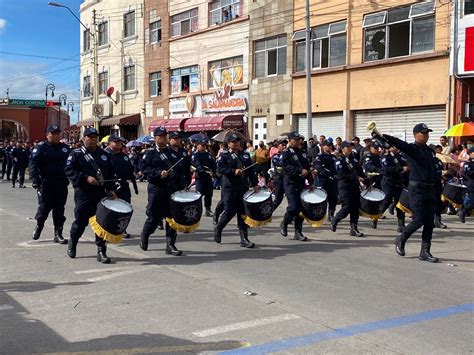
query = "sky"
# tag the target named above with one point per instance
(40, 44)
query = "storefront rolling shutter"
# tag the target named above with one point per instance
(302, 125)
(328, 124)
(400, 122)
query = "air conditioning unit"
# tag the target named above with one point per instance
(469, 110)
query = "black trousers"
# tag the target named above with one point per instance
(4, 168)
(204, 187)
(51, 197)
(85, 208)
(439, 203)
(18, 170)
(294, 208)
(350, 201)
(9, 168)
(124, 193)
(233, 202)
(392, 195)
(423, 203)
(330, 186)
(158, 207)
(279, 190)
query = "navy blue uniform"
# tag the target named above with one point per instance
(295, 161)
(348, 172)
(184, 167)
(205, 165)
(234, 187)
(87, 196)
(47, 165)
(155, 161)
(3, 159)
(8, 162)
(423, 163)
(373, 164)
(325, 165)
(278, 170)
(19, 157)
(469, 174)
(393, 183)
(123, 169)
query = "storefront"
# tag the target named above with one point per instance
(329, 124)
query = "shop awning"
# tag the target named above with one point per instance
(72, 129)
(85, 123)
(130, 120)
(216, 123)
(170, 124)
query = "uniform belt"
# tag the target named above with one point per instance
(421, 184)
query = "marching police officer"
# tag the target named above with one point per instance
(19, 157)
(394, 167)
(165, 176)
(3, 159)
(372, 166)
(90, 171)
(349, 175)
(185, 164)
(468, 205)
(8, 162)
(205, 165)
(278, 173)
(422, 189)
(235, 166)
(325, 165)
(47, 164)
(123, 170)
(296, 170)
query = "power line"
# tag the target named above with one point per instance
(38, 56)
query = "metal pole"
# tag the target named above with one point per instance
(96, 69)
(62, 100)
(52, 88)
(309, 112)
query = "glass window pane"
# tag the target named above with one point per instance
(215, 17)
(316, 54)
(282, 41)
(374, 19)
(271, 43)
(320, 31)
(260, 45)
(423, 32)
(185, 27)
(194, 82)
(260, 64)
(300, 56)
(374, 44)
(423, 8)
(153, 88)
(468, 7)
(175, 29)
(337, 27)
(175, 84)
(299, 35)
(272, 62)
(400, 14)
(337, 50)
(282, 61)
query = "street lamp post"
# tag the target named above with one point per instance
(49, 87)
(71, 105)
(93, 33)
(62, 102)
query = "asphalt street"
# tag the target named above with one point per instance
(332, 294)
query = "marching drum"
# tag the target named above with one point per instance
(404, 202)
(185, 211)
(454, 193)
(314, 205)
(111, 219)
(371, 203)
(258, 208)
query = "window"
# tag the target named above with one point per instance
(155, 32)
(86, 41)
(129, 24)
(129, 77)
(223, 10)
(270, 57)
(328, 46)
(226, 71)
(184, 23)
(155, 84)
(185, 80)
(103, 82)
(468, 7)
(103, 34)
(399, 32)
(86, 86)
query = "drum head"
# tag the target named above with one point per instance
(318, 195)
(373, 195)
(257, 197)
(117, 205)
(185, 196)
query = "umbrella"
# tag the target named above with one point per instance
(105, 139)
(133, 143)
(446, 159)
(144, 139)
(461, 130)
(197, 137)
(221, 136)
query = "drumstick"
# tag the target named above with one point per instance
(179, 161)
(248, 167)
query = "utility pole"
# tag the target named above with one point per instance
(95, 93)
(309, 111)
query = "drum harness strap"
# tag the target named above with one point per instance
(88, 157)
(294, 156)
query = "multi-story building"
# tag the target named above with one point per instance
(156, 62)
(118, 33)
(209, 65)
(385, 61)
(463, 60)
(271, 55)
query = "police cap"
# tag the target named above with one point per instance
(160, 131)
(294, 135)
(232, 137)
(90, 131)
(421, 128)
(53, 128)
(115, 138)
(346, 144)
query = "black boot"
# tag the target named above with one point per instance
(438, 223)
(391, 208)
(170, 247)
(209, 213)
(37, 231)
(400, 244)
(215, 218)
(160, 225)
(217, 233)
(244, 240)
(299, 236)
(401, 225)
(71, 247)
(462, 214)
(144, 241)
(374, 224)
(283, 229)
(330, 215)
(58, 235)
(102, 254)
(126, 235)
(334, 223)
(355, 232)
(425, 253)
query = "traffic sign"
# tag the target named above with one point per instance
(98, 109)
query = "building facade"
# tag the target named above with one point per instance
(384, 61)
(119, 35)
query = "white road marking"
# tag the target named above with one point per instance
(91, 271)
(36, 244)
(245, 325)
(122, 273)
(4, 307)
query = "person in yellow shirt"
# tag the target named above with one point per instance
(262, 158)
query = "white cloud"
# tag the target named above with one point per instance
(3, 24)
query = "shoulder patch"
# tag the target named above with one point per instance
(125, 158)
(64, 150)
(103, 157)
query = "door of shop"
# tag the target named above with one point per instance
(259, 130)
